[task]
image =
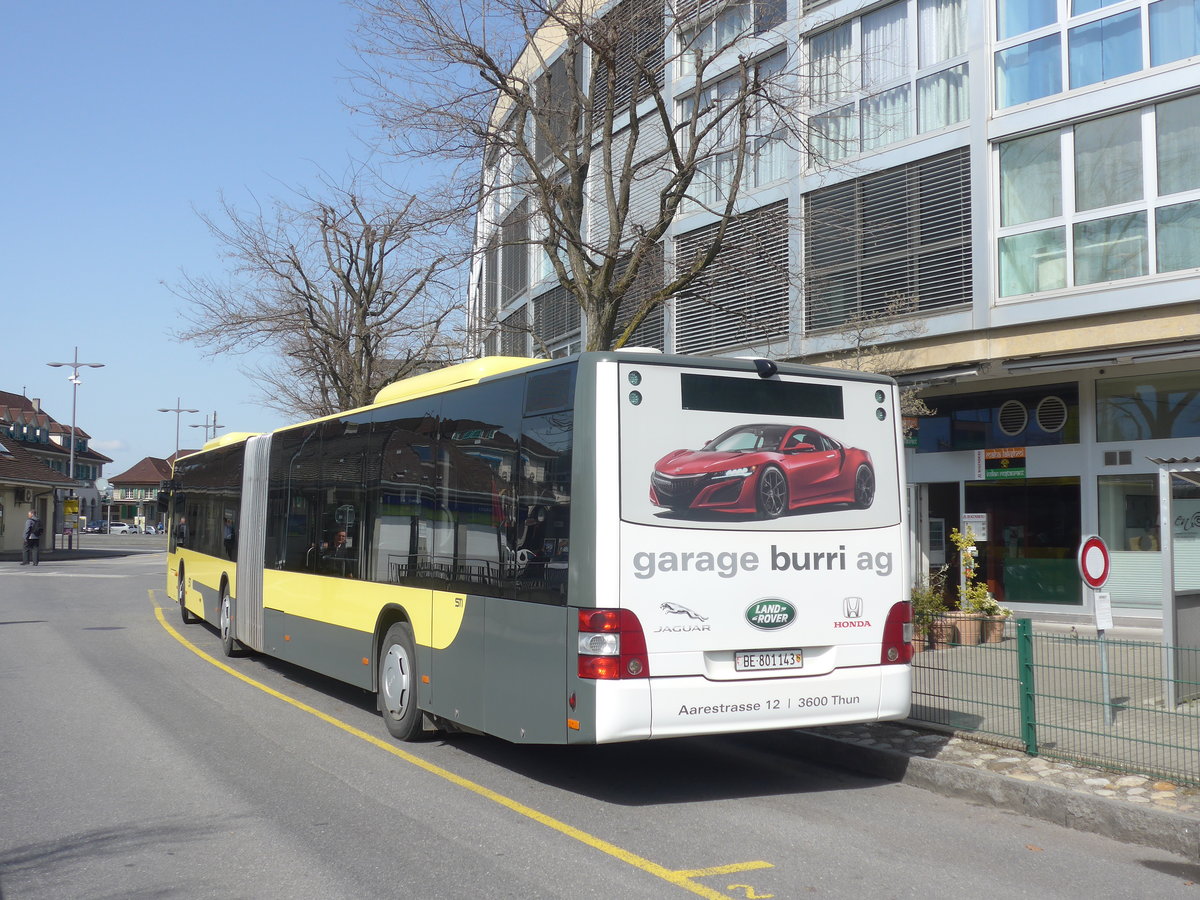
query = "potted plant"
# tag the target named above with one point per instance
(929, 602)
(992, 625)
(972, 592)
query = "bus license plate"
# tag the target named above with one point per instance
(761, 660)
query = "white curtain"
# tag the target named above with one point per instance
(886, 118)
(833, 64)
(884, 45)
(834, 135)
(942, 30)
(943, 99)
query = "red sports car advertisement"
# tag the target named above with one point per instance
(781, 454)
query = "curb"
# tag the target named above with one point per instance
(1125, 822)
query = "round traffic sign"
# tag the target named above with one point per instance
(1094, 561)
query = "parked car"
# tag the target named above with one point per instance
(119, 528)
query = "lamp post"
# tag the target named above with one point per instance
(75, 380)
(206, 425)
(75, 365)
(177, 410)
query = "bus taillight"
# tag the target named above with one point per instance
(611, 645)
(897, 635)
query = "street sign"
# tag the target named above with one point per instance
(1094, 563)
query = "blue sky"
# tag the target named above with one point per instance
(121, 120)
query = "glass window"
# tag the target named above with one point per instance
(885, 118)
(884, 45)
(1015, 17)
(1079, 7)
(1178, 230)
(1148, 407)
(834, 134)
(1105, 49)
(943, 99)
(973, 421)
(835, 68)
(942, 30)
(1174, 30)
(1030, 179)
(1028, 71)
(1111, 249)
(1129, 525)
(1108, 161)
(1177, 123)
(1033, 262)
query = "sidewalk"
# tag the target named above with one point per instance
(1133, 809)
(58, 556)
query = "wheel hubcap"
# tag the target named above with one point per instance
(772, 492)
(866, 490)
(395, 680)
(225, 617)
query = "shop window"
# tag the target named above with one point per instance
(1041, 416)
(1148, 407)
(1128, 523)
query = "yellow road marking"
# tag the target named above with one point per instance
(680, 878)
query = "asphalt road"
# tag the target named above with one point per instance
(135, 761)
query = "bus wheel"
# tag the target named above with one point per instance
(189, 617)
(772, 493)
(229, 643)
(397, 674)
(864, 487)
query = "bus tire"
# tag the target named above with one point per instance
(397, 677)
(864, 487)
(189, 617)
(772, 493)
(229, 644)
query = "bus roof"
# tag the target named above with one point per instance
(453, 376)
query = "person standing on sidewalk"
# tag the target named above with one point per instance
(33, 539)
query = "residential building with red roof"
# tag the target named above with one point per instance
(36, 465)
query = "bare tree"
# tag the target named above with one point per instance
(346, 291)
(879, 341)
(587, 154)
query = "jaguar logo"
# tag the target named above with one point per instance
(676, 610)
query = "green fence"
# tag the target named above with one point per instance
(1100, 702)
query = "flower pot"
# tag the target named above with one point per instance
(942, 632)
(992, 629)
(967, 625)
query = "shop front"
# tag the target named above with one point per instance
(1033, 467)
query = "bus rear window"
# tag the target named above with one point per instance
(715, 393)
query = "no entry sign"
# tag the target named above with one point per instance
(1093, 561)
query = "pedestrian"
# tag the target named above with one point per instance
(33, 539)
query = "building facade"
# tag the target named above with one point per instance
(134, 497)
(24, 424)
(1005, 196)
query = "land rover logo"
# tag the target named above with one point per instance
(770, 613)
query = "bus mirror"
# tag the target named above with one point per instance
(164, 501)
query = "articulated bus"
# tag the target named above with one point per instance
(608, 547)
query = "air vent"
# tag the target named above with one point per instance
(1052, 414)
(1013, 417)
(1118, 457)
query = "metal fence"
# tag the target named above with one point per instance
(1097, 701)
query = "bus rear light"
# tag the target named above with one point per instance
(611, 645)
(897, 635)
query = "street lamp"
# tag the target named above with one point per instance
(206, 425)
(177, 410)
(75, 365)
